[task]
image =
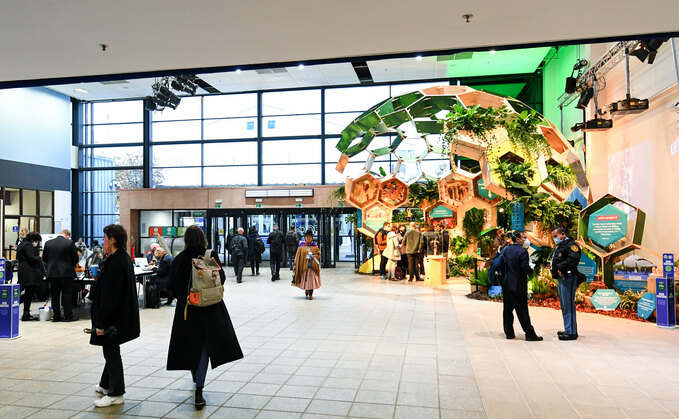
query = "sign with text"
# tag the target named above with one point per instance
(441, 212)
(646, 305)
(9, 311)
(15, 229)
(2, 270)
(666, 313)
(587, 267)
(607, 225)
(604, 299)
(165, 231)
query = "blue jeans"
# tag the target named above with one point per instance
(567, 286)
(291, 259)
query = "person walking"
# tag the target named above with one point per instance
(392, 252)
(276, 241)
(61, 256)
(381, 245)
(515, 287)
(254, 254)
(565, 269)
(239, 252)
(292, 240)
(412, 242)
(115, 313)
(307, 272)
(31, 271)
(199, 334)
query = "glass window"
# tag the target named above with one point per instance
(222, 154)
(113, 112)
(111, 180)
(101, 221)
(45, 203)
(332, 154)
(102, 203)
(12, 202)
(46, 225)
(153, 219)
(230, 176)
(281, 126)
(176, 131)
(291, 151)
(30, 198)
(291, 102)
(225, 106)
(113, 156)
(117, 134)
(354, 98)
(292, 174)
(188, 218)
(176, 177)
(176, 155)
(224, 129)
(336, 122)
(332, 175)
(189, 108)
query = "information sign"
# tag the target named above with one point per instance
(9, 311)
(181, 231)
(258, 205)
(607, 225)
(483, 191)
(441, 212)
(604, 299)
(646, 305)
(299, 205)
(587, 267)
(666, 314)
(15, 229)
(165, 231)
(2, 271)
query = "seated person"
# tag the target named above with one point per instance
(162, 273)
(151, 256)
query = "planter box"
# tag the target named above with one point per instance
(480, 288)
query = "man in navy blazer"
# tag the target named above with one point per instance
(61, 256)
(515, 287)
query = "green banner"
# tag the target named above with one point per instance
(441, 212)
(607, 225)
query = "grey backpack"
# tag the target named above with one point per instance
(205, 287)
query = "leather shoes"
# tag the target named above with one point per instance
(71, 319)
(28, 317)
(560, 333)
(533, 338)
(568, 337)
(57, 319)
(510, 337)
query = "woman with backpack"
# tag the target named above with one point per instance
(199, 334)
(255, 245)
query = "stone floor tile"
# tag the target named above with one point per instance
(149, 408)
(329, 407)
(17, 411)
(370, 410)
(247, 401)
(341, 394)
(188, 410)
(270, 414)
(53, 414)
(410, 412)
(234, 413)
(287, 404)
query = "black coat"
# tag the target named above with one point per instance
(292, 239)
(253, 254)
(115, 300)
(517, 268)
(566, 258)
(61, 256)
(162, 270)
(276, 241)
(31, 269)
(209, 326)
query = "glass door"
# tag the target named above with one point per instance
(263, 224)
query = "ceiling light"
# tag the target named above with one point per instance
(79, 90)
(164, 96)
(418, 58)
(492, 52)
(151, 104)
(585, 97)
(184, 84)
(238, 70)
(647, 49)
(301, 66)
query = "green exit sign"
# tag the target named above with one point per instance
(299, 205)
(258, 205)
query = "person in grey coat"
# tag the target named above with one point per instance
(412, 243)
(239, 252)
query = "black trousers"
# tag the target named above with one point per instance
(413, 269)
(515, 301)
(420, 263)
(383, 264)
(112, 379)
(238, 265)
(254, 264)
(27, 297)
(276, 260)
(62, 288)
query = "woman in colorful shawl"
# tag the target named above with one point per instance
(307, 271)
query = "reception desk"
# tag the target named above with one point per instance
(435, 269)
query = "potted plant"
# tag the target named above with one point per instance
(523, 132)
(481, 282)
(423, 194)
(472, 224)
(475, 122)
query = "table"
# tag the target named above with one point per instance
(435, 269)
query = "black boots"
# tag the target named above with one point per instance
(27, 317)
(200, 401)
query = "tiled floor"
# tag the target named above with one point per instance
(362, 348)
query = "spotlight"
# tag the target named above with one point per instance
(184, 84)
(165, 96)
(585, 97)
(571, 84)
(151, 105)
(577, 127)
(648, 49)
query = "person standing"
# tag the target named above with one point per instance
(307, 273)
(239, 251)
(565, 269)
(392, 252)
(31, 271)
(403, 263)
(380, 245)
(515, 287)
(199, 334)
(254, 255)
(276, 241)
(412, 242)
(115, 313)
(292, 240)
(61, 256)
(162, 273)
(23, 232)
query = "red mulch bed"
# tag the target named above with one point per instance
(554, 303)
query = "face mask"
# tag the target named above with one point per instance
(557, 240)
(526, 243)
(35, 244)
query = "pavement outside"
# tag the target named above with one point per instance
(364, 347)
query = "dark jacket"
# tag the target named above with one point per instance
(239, 245)
(566, 258)
(517, 268)
(61, 256)
(252, 253)
(31, 270)
(210, 326)
(162, 270)
(292, 239)
(276, 241)
(412, 242)
(444, 242)
(115, 300)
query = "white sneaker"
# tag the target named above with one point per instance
(100, 390)
(107, 401)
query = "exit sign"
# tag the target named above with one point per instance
(258, 205)
(299, 205)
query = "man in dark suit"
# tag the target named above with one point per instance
(412, 244)
(276, 242)
(515, 287)
(61, 256)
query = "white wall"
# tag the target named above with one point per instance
(62, 210)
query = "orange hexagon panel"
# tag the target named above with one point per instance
(456, 189)
(393, 192)
(362, 191)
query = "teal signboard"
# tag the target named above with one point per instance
(483, 191)
(587, 267)
(607, 225)
(441, 212)
(646, 305)
(605, 299)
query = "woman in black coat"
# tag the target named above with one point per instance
(31, 271)
(115, 313)
(206, 333)
(253, 255)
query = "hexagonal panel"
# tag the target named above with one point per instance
(456, 189)
(393, 192)
(362, 191)
(436, 166)
(375, 215)
(409, 172)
